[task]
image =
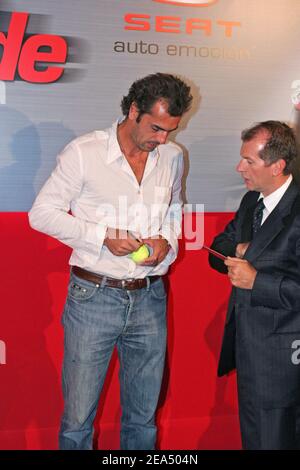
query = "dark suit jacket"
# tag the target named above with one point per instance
(263, 324)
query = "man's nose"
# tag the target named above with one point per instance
(162, 137)
(241, 166)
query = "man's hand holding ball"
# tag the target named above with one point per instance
(158, 248)
(141, 254)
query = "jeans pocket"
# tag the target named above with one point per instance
(158, 290)
(80, 290)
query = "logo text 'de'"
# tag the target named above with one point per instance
(22, 56)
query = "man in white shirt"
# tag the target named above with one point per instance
(112, 192)
(262, 331)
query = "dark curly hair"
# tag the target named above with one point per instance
(281, 143)
(159, 86)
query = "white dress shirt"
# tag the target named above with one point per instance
(93, 187)
(273, 199)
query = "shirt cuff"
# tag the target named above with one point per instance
(173, 242)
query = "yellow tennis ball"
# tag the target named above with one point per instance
(140, 255)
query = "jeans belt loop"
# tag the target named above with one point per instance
(103, 282)
(148, 283)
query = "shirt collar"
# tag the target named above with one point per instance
(114, 151)
(273, 199)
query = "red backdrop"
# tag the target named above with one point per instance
(197, 410)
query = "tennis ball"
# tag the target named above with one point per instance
(141, 254)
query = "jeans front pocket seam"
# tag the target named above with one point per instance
(160, 285)
(82, 293)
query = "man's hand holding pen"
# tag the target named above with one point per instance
(240, 272)
(121, 242)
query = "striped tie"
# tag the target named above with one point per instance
(257, 216)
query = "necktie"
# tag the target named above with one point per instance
(257, 217)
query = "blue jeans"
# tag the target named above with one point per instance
(96, 318)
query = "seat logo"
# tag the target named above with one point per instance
(188, 3)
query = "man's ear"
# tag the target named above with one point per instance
(133, 112)
(278, 167)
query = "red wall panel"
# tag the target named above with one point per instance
(197, 410)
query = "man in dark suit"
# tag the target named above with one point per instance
(262, 331)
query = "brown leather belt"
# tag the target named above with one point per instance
(127, 284)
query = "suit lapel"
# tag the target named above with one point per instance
(273, 225)
(246, 229)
